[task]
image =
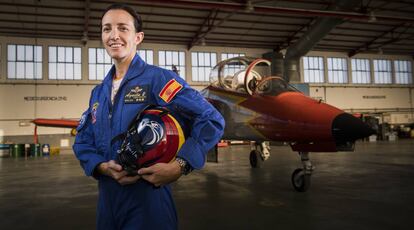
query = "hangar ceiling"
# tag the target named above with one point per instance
(373, 26)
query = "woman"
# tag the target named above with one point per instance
(133, 202)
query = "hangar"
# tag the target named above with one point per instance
(354, 55)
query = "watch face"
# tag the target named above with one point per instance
(185, 167)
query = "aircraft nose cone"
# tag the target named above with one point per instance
(346, 127)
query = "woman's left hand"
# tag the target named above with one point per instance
(161, 173)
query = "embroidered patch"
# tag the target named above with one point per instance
(136, 94)
(82, 121)
(94, 110)
(170, 90)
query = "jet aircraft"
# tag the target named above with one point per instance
(258, 107)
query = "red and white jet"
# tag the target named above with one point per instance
(259, 107)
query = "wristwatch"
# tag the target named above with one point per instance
(184, 165)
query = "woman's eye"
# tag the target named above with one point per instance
(123, 29)
(105, 29)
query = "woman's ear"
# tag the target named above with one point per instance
(139, 37)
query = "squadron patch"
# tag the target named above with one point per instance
(93, 112)
(136, 94)
(170, 90)
(82, 121)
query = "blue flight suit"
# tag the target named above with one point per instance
(140, 205)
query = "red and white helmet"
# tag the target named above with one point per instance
(155, 136)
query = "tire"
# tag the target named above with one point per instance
(255, 159)
(300, 181)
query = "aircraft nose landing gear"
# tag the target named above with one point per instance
(301, 177)
(260, 151)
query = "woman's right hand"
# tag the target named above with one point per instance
(114, 170)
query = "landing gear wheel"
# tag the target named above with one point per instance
(255, 159)
(300, 180)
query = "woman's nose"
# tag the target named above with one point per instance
(114, 35)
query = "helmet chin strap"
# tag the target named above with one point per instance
(131, 150)
(128, 163)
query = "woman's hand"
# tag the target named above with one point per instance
(161, 173)
(114, 170)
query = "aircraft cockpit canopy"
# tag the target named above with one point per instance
(245, 74)
(240, 73)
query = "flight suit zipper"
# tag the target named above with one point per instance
(111, 108)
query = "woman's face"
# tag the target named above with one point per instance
(118, 34)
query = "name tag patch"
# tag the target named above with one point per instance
(136, 94)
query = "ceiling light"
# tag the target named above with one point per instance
(249, 7)
(380, 51)
(372, 17)
(84, 38)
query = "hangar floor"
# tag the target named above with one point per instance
(371, 188)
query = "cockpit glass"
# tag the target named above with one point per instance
(273, 86)
(224, 72)
(230, 74)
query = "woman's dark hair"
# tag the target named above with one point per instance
(130, 10)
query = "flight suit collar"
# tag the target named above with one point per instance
(136, 67)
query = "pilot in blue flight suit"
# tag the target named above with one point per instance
(133, 202)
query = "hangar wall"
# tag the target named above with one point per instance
(394, 102)
(23, 100)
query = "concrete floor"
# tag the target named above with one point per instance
(371, 188)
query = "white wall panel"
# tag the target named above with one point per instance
(71, 100)
(12, 103)
(317, 93)
(412, 97)
(403, 118)
(12, 128)
(368, 98)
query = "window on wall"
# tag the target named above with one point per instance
(225, 56)
(403, 72)
(382, 72)
(146, 55)
(313, 69)
(361, 71)
(202, 62)
(168, 59)
(99, 63)
(24, 62)
(233, 68)
(337, 70)
(64, 63)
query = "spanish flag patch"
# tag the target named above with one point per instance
(170, 90)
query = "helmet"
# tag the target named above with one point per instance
(154, 136)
